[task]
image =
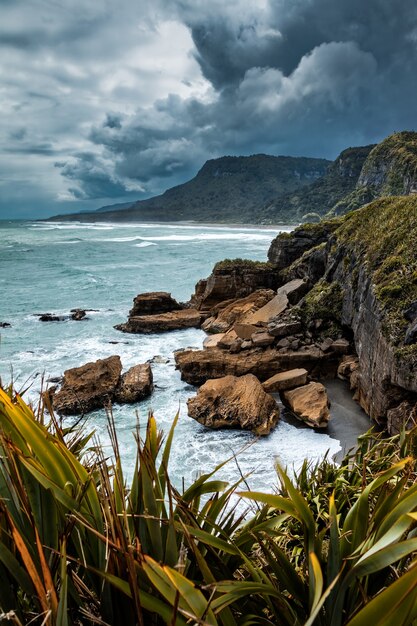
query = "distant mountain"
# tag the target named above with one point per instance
(229, 189)
(267, 189)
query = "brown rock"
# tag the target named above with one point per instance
(197, 366)
(227, 340)
(263, 339)
(245, 331)
(274, 307)
(136, 384)
(153, 303)
(285, 380)
(402, 416)
(347, 366)
(341, 346)
(91, 386)
(175, 320)
(309, 403)
(234, 402)
(237, 310)
(212, 340)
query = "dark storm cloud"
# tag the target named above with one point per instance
(296, 77)
(134, 98)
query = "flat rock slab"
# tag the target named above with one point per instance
(234, 402)
(309, 403)
(286, 380)
(294, 290)
(274, 307)
(197, 366)
(245, 331)
(174, 320)
(212, 340)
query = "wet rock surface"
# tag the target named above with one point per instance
(97, 384)
(234, 402)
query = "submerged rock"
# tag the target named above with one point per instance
(309, 403)
(234, 402)
(5, 325)
(50, 317)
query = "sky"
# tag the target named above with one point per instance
(104, 102)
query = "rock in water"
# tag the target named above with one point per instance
(309, 403)
(136, 384)
(88, 387)
(234, 402)
(153, 303)
(97, 384)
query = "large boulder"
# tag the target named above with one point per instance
(174, 320)
(234, 402)
(309, 403)
(97, 384)
(153, 303)
(88, 387)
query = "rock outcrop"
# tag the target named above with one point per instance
(97, 384)
(230, 280)
(223, 318)
(153, 303)
(234, 402)
(156, 312)
(198, 366)
(309, 403)
(288, 247)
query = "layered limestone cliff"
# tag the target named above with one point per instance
(369, 288)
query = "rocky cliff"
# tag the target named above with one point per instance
(369, 287)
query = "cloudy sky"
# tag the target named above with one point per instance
(106, 101)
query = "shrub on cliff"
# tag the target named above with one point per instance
(78, 546)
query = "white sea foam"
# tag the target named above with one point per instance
(145, 244)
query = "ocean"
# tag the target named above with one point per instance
(54, 267)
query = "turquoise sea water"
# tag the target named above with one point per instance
(54, 267)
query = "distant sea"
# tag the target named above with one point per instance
(54, 267)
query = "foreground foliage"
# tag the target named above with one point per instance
(335, 546)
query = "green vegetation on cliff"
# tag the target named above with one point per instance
(383, 234)
(391, 168)
(321, 196)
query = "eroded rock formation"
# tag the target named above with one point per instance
(97, 384)
(234, 402)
